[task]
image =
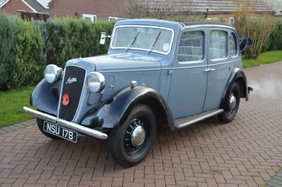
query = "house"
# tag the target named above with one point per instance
(115, 9)
(88, 9)
(24, 8)
(44, 3)
(207, 8)
(276, 5)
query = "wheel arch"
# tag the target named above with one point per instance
(116, 110)
(45, 97)
(239, 77)
(243, 87)
(163, 118)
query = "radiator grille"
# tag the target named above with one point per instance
(72, 85)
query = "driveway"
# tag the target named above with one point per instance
(246, 152)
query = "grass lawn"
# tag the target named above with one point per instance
(264, 58)
(12, 102)
(11, 106)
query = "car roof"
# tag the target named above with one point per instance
(206, 24)
(151, 22)
(176, 26)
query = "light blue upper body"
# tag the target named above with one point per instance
(189, 87)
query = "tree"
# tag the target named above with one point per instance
(179, 10)
(250, 23)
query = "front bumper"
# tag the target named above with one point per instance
(73, 126)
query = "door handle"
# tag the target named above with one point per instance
(209, 69)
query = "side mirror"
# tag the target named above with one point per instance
(103, 38)
(244, 43)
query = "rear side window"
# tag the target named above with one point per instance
(218, 45)
(233, 45)
(191, 46)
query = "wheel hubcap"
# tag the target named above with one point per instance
(138, 136)
(135, 136)
(232, 102)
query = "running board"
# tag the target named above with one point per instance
(184, 122)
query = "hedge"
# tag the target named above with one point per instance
(275, 40)
(20, 53)
(7, 32)
(72, 38)
(26, 47)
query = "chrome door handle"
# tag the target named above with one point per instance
(209, 69)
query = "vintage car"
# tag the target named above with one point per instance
(156, 73)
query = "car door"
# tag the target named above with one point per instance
(188, 77)
(218, 67)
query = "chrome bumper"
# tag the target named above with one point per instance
(66, 124)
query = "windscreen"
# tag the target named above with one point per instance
(142, 38)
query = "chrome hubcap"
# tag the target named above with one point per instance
(138, 136)
(135, 136)
(232, 102)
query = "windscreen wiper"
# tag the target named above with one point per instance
(132, 41)
(154, 42)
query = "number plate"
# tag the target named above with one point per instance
(59, 131)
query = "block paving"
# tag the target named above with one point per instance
(245, 152)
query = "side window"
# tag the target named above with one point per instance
(233, 45)
(218, 45)
(191, 46)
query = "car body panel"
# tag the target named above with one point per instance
(116, 109)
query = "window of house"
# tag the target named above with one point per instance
(114, 18)
(89, 17)
(191, 46)
(233, 45)
(218, 45)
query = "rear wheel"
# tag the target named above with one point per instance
(130, 143)
(231, 104)
(40, 126)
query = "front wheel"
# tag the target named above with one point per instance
(231, 104)
(130, 143)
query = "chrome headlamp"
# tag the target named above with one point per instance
(96, 82)
(52, 73)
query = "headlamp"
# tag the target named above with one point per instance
(96, 82)
(52, 73)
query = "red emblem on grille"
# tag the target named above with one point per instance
(66, 99)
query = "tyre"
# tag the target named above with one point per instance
(130, 143)
(231, 104)
(40, 126)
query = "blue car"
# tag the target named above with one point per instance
(156, 73)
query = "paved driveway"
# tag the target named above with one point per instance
(246, 152)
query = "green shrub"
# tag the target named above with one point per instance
(27, 46)
(7, 60)
(275, 40)
(258, 27)
(73, 38)
(21, 53)
(28, 49)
